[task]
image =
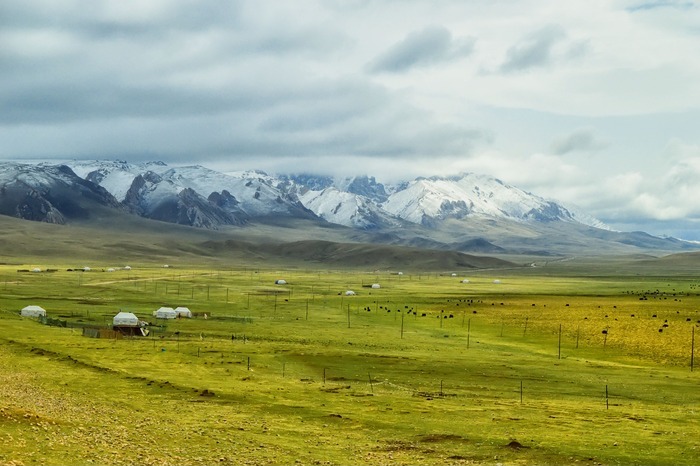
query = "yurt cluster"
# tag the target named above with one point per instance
(170, 313)
(126, 323)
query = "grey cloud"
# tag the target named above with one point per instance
(422, 48)
(577, 49)
(216, 84)
(582, 140)
(123, 70)
(534, 51)
(330, 118)
(101, 18)
(681, 5)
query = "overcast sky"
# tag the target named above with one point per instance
(594, 103)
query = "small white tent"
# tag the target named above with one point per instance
(86, 269)
(125, 319)
(183, 312)
(166, 313)
(465, 281)
(33, 311)
(350, 293)
(496, 281)
(128, 267)
(376, 285)
(36, 270)
(111, 269)
(280, 282)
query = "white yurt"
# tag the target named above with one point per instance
(166, 313)
(496, 282)
(465, 281)
(376, 286)
(86, 269)
(280, 282)
(33, 311)
(36, 270)
(350, 293)
(128, 267)
(183, 312)
(125, 319)
(111, 269)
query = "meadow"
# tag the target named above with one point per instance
(512, 367)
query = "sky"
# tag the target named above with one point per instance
(593, 103)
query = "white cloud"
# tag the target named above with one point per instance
(481, 86)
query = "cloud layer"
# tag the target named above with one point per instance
(432, 45)
(591, 103)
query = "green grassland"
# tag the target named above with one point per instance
(537, 368)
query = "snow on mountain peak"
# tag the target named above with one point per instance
(357, 201)
(425, 200)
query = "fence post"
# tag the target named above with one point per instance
(559, 355)
(692, 349)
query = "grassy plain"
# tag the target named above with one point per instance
(424, 370)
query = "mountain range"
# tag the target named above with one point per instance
(466, 212)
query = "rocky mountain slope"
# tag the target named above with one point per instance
(357, 202)
(52, 194)
(468, 212)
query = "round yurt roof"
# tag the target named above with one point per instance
(183, 311)
(33, 308)
(126, 319)
(376, 285)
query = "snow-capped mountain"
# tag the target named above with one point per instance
(349, 209)
(50, 194)
(466, 212)
(205, 198)
(427, 200)
(253, 190)
(192, 195)
(152, 196)
(352, 201)
(362, 202)
(116, 176)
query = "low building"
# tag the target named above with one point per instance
(33, 311)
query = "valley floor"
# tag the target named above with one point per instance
(425, 370)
